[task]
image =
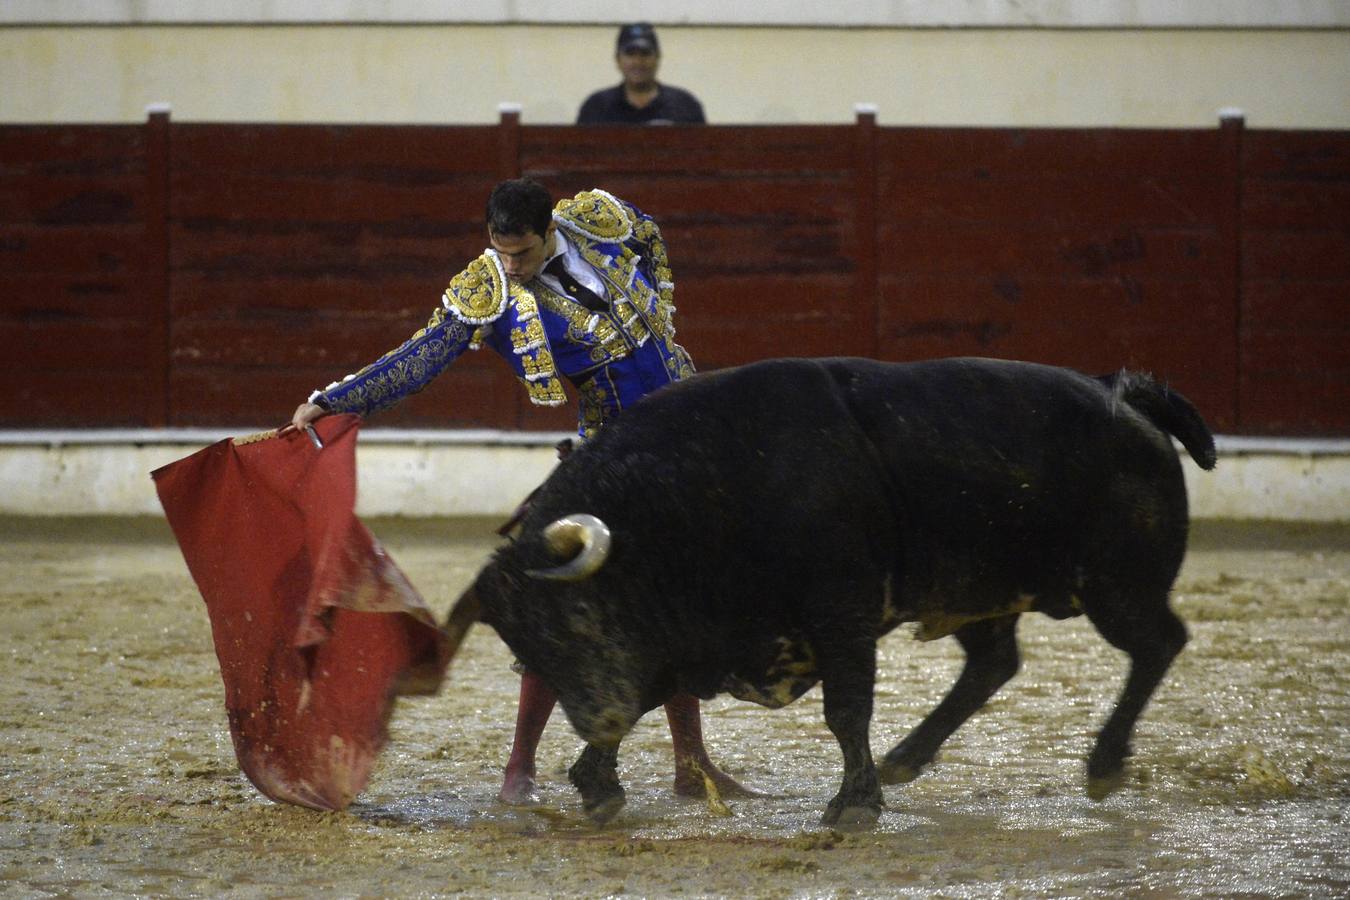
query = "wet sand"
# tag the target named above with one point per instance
(117, 775)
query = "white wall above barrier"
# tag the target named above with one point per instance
(866, 13)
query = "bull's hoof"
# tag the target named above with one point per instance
(856, 808)
(897, 773)
(1100, 787)
(602, 811)
(851, 817)
(1106, 770)
(596, 779)
(903, 764)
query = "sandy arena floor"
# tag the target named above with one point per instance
(117, 775)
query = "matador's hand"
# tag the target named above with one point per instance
(305, 414)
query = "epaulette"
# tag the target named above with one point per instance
(478, 295)
(595, 215)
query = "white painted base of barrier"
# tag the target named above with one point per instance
(478, 473)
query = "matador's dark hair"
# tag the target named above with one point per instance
(519, 206)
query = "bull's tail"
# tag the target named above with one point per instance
(1166, 409)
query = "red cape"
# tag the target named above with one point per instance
(316, 629)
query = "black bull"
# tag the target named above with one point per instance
(770, 523)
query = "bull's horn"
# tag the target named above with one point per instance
(580, 538)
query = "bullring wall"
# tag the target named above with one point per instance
(211, 275)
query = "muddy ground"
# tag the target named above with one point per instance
(117, 774)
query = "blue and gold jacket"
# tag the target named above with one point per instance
(612, 358)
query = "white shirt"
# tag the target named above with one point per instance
(576, 266)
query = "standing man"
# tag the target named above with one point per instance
(640, 99)
(578, 293)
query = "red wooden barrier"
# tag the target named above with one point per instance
(1295, 293)
(199, 274)
(73, 268)
(1093, 249)
(301, 253)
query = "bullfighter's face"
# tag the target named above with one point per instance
(523, 255)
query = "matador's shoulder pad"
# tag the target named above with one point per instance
(596, 215)
(478, 295)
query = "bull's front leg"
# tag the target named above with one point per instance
(595, 775)
(847, 683)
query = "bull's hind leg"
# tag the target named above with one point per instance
(595, 775)
(1153, 636)
(991, 659)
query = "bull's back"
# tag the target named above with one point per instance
(1017, 477)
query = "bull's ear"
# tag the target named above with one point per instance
(582, 541)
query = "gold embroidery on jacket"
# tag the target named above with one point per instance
(592, 398)
(537, 365)
(410, 364)
(636, 312)
(530, 337)
(530, 343)
(548, 392)
(595, 215)
(586, 328)
(478, 295)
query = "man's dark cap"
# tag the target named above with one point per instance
(638, 36)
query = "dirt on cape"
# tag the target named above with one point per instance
(117, 774)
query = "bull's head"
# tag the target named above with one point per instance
(561, 632)
(581, 542)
